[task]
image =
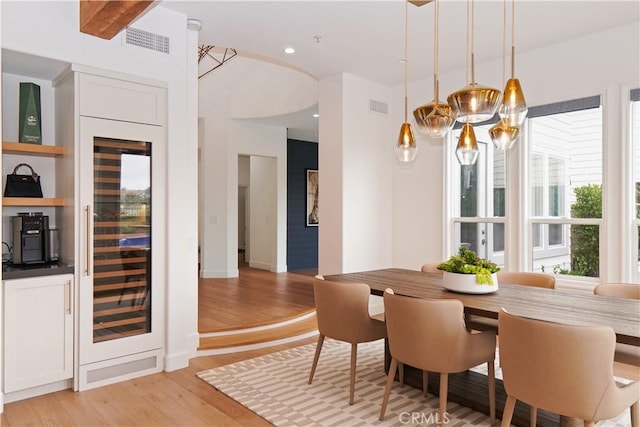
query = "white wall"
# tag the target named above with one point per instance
(355, 164)
(224, 94)
(263, 216)
(224, 140)
(572, 69)
(53, 33)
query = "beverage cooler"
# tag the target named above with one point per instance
(121, 251)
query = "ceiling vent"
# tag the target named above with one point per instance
(147, 40)
(378, 106)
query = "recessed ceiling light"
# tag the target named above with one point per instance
(289, 50)
(316, 115)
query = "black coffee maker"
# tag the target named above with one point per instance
(33, 241)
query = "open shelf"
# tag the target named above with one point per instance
(32, 201)
(9, 147)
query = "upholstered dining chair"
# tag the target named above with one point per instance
(625, 353)
(431, 267)
(342, 310)
(565, 369)
(527, 278)
(524, 278)
(430, 335)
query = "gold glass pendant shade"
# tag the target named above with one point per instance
(474, 103)
(503, 135)
(406, 148)
(467, 149)
(514, 108)
(436, 119)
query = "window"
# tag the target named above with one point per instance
(635, 168)
(565, 143)
(480, 200)
(559, 181)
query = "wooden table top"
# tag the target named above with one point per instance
(553, 305)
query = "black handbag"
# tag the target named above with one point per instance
(23, 185)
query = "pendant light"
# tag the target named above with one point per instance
(502, 134)
(406, 148)
(474, 103)
(467, 149)
(436, 118)
(514, 108)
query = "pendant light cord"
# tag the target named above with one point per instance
(473, 43)
(504, 44)
(468, 32)
(406, 38)
(435, 52)
(513, 39)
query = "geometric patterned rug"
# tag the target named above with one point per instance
(274, 386)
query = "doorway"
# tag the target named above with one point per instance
(257, 212)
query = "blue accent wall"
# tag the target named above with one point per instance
(302, 241)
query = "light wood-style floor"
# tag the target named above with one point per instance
(180, 398)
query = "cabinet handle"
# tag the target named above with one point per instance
(87, 264)
(68, 297)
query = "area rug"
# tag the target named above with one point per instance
(275, 387)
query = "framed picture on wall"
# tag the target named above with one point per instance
(312, 198)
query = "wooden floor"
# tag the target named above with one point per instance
(254, 299)
(180, 398)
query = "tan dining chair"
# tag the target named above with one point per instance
(565, 369)
(430, 335)
(342, 310)
(620, 290)
(625, 353)
(524, 278)
(527, 278)
(431, 267)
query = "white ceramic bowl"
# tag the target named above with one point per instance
(466, 283)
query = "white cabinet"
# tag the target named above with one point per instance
(38, 331)
(120, 205)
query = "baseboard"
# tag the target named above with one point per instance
(260, 265)
(219, 274)
(176, 361)
(193, 341)
(37, 391)
(280, 268)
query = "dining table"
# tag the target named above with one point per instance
(564, 306)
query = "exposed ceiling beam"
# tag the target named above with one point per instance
(106, 18)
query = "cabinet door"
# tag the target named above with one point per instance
(38, 331)
(122, 243)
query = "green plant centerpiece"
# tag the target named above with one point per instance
(467, 261)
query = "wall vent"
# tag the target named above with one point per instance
(147, 40)
(378, 106)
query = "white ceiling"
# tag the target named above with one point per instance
(366, 38)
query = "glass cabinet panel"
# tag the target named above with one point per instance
(121, 238)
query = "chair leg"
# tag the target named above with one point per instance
(425, 383)
(352, 379)
(390, 376)
(492, 391)
(316, 357)
(507, 414)
(444, 390)
(401, 373)
(533, 416)
(635, 414)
